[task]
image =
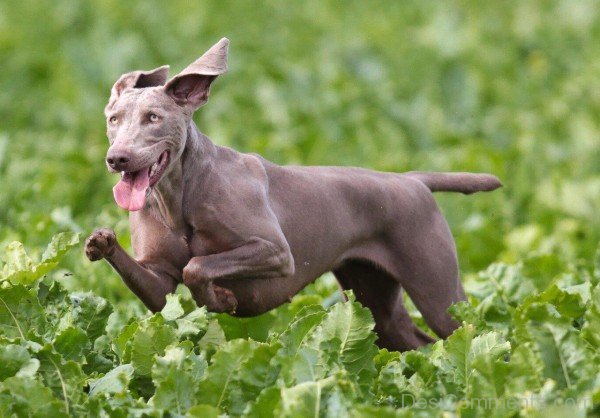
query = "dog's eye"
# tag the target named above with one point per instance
(153, 117)
(113, 120)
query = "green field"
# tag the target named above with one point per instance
(508, 87)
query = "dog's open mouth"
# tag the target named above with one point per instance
(131, 191)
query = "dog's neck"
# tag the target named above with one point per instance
(192, 167)
(198, 155)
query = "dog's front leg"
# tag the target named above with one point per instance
(258, 258)
(149, 286)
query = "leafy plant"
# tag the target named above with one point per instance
(72, 354)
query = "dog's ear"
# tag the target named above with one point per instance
(139, 79)
(191, 87)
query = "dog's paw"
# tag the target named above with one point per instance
(100, 244)
(226, 299)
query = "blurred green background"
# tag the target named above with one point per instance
(507, 87)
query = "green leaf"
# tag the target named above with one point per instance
(391, 384)
(256, 328)
(15, 360)
(564, 353)
(122, 344)
(20, 312)
(214, 336)
(462, 349)
(203, 411)
(569, 301)
(308, 399)
(61, 243)
(497, 384)
(172, 309)
(298, 331)
(223, 373)
(193, 324)
(115, 381)
(64, 378)
(295, 357)
(150, 339)
(267, 402)
(21, 269)
(258, 371)
(590, 330)
(345, 336)
(91, 314)
(72, 343)
(176, 376)
(27, 397)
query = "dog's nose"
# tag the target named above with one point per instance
(118, 159)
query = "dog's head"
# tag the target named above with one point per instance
(147, 119)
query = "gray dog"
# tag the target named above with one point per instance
(245, 235)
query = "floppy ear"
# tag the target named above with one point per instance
(139, 79)
(191, 87)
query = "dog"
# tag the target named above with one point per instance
(245, 235)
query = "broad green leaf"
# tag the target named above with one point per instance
(193, 324)
(172, 309)
(58, 307)
(259, 371)
(256, 373)
(591, 327)
(266, 404)
(392, 387)
(122, 344)
(28, 397)
(462, 348)
(221, 377)
(60, 244)
(256, 327)
(570, 301)
(150, 339)
(72, 343)
(20, 312)
(346, 336)
(298, 330)
(497, 384)
(176, 376)
(91, 314)
(214, 336)
(308, 399)
(203, 411)
(15, 360)
(65, 378)
(20, 268)
(564, 353)
(115, 381)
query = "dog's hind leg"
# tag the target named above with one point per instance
(382, 294)
(427, 268)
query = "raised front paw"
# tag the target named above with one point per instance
(100, 244)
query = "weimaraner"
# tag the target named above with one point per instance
(245, 235)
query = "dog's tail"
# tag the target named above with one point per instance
(466, 183)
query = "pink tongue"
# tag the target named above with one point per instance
(130, 191)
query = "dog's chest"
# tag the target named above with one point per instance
(155, 238)
(208, 233)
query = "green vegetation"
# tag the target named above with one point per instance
(509, 87)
